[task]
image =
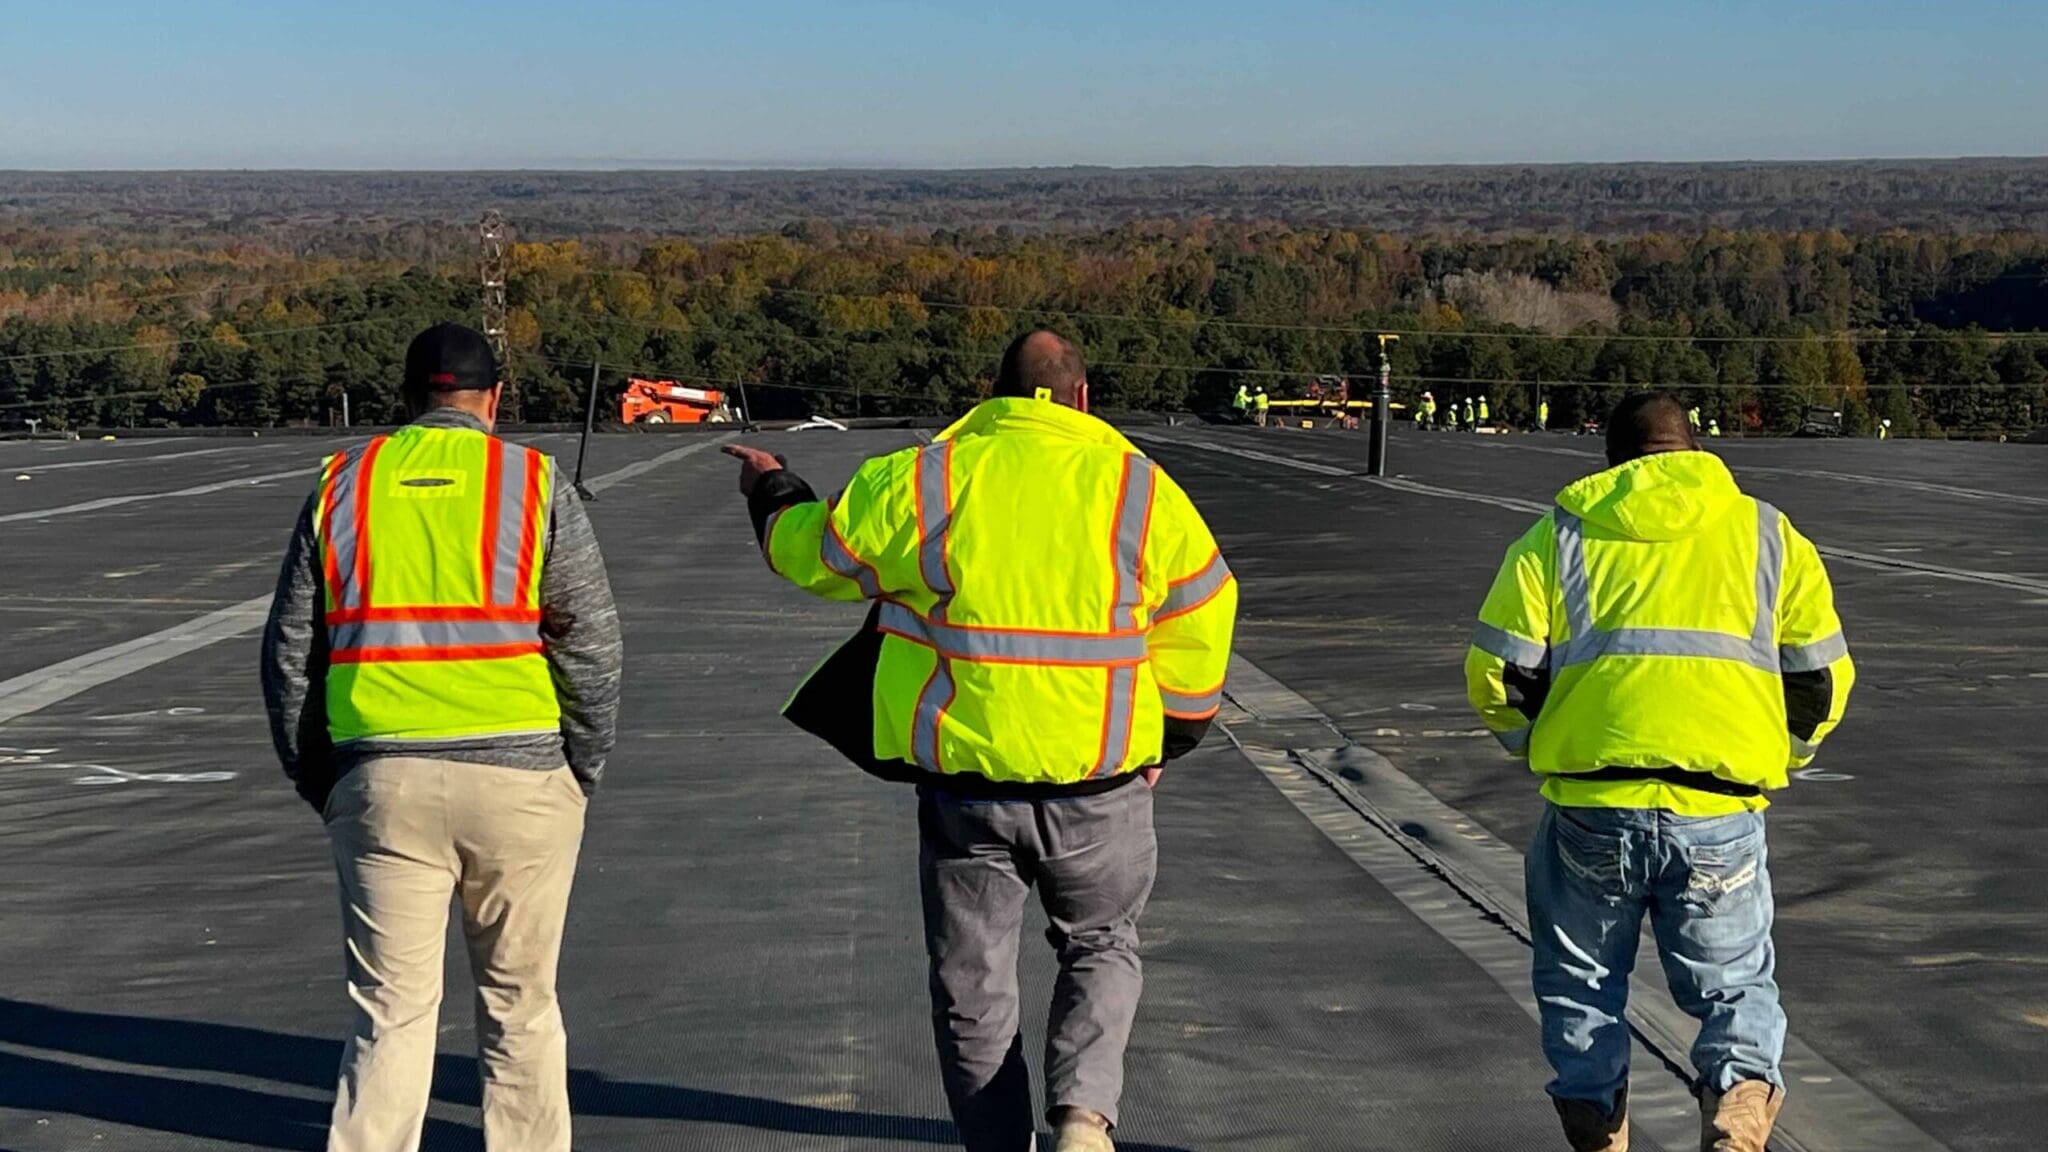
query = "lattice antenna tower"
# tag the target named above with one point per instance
(491, 267)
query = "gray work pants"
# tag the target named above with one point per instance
(1092, 859)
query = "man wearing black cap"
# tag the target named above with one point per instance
(441, 669)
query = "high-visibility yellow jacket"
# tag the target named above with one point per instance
(1262, 401)
(1047, 596)
(1658, 618)
(432, 541)
(1242, 400)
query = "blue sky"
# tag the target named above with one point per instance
(517, 83)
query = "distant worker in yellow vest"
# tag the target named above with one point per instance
(1664, 651)
(1262, 402)
(1471, 414)
(1692, 417)
(1427, 410)
(1542, 415)
(1051, 624)
(1241, 402)
(1714, 429)
(1485, 412)
(1884, 429)
(441, 669)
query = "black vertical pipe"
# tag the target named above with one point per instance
(589, 419)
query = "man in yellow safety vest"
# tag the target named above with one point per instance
(1663, 650)
(1051, 623)
(1262, 403)
(441, 669)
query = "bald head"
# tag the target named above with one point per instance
(1646, 423)
(1044, 361)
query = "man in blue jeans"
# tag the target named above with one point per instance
(1664, 651)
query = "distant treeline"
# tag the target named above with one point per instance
(409, 214)
(1917, 328)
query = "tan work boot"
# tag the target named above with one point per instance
(1739, 1120)
(1588, 1128)
(1079, 1130)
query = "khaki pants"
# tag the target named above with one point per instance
(409, 835)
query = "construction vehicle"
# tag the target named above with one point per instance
(668, 402)
(1820, 420)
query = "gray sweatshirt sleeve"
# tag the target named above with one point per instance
(294, 667)
(580, 631)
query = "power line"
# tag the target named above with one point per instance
(208, 339)
(139, 298)
(1850, 334)
(141, 393)
(1208, 369)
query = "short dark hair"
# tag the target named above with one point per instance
(1646, 423)
(1042, 359)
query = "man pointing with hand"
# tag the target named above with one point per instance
(1051, 623)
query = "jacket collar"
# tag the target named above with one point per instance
(448, 418)
(1035, 418)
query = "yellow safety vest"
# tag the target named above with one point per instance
(432, 542)
(1047, 595)
(1665, 606)
(1262, 400)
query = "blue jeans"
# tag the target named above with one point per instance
(1591, 874)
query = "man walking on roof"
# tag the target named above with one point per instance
(1664, 651)
(1052, 622)
(441, 668)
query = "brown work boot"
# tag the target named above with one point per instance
(1588, 1127)
(1739, 1120)
(1079, 1130)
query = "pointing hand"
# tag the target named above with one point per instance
(754, 464)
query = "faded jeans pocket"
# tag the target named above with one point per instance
(1724, 862)
(1588, 857)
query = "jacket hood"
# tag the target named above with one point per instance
(1666, 496)
(1039, 417)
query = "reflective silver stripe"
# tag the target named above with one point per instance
(768, 535)
(1770, 572)
(511, 522)
(1000, 645)
(1571, 572)
(340, 531)
(1514, 649)
(931, 707)
(1116, 725)
(1663, 642)
(935, 520)
(1133, 521)
(1516, 741)
(840, 560)
(1185, 705)
(1813, 657)
(1758, 649)
(1189, 593)
(935, 517)
(431, 633)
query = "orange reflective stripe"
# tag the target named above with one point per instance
(529, 526)
(329, 488)
(365, 474)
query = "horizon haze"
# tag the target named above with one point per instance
(806, 84)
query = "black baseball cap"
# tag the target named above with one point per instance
(449, 358)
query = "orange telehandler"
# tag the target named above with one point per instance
(668, 402)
